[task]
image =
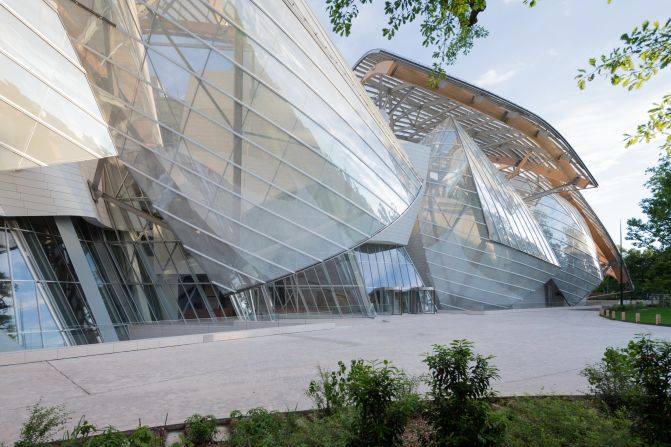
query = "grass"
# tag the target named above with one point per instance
(647, 315)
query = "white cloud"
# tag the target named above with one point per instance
(494, 77)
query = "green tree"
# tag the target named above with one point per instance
(655, 231)
(645, 51)
(650, 269)
(448, 26)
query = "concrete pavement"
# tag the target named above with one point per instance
(537, 351)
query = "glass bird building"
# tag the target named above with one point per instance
(208, 162)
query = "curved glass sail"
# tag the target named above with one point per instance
(232, 117)
(568, 234)
(455, 244)
(49, 114)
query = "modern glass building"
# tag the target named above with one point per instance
(209, 162)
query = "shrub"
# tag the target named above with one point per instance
(261, 428)
(556, 422)
(459, 410)
(110, 437)
(79, 435)
(200, 430)
(329, 431)
(637, 379)
(383, 398)
(651, 361)
(330, 392)
(144, 436)
(612, 379)
(42, 425)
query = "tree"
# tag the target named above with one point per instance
(655, 232)
(649, 269)
(448, 26)
(649, 265)
(645, 52)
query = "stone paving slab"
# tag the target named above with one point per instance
(540, 351)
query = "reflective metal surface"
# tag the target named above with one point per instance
(261, 156)
(48, 111)
(457, 244)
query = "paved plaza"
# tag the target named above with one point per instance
(537, 351)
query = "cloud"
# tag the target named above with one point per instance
(493, 77)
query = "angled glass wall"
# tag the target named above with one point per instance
(386, 266)
(330, 289)
(42, 304)
(509, 221)
(261, 156)
(49, 114)
(453, 244)
(568, 234)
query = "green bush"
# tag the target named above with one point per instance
(651, 361)
(556, 422)
(261, 428)
(329, 431)
(459, 410)
(381, 398)
(110, 437)
(637, 379)
(80, 434)
(384, 399)
(200, 430)
(144, 436)
(612, 379)
(330, 392)
(42, 425)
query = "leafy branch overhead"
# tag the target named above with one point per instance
(645, 51)
(448, 26)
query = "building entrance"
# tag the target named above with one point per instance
(395, 301)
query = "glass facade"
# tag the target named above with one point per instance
(568, 234)
(42, 304)
(48, 111)
(261, 157)
(387, 267)
(472, 253)
(238, 171)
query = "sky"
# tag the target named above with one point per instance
(531, 57)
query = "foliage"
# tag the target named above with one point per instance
(144, 436)
(656, 231)
(643, 369)
(650, 270)
(329, 392)
(381, 397)
(612, 379)
(199, 430)
(384, 399)
(448, 26)
(651, 361)
(645, 51)
(261, 428)
(110, 437)
(42, 425)
(460, 393)
(557, 422)
(80, 434)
